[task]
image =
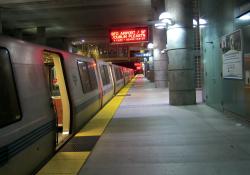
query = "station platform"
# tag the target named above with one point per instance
(141, 134)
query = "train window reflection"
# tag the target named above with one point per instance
(9, 106)
(106, 74)
(84, 76)
(102, 75)
(118, 73)
(92, 76)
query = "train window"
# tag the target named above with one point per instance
(118, 73)
(106, 72)
(104, 82)
(9, 107)
(92, 75)
(84, 76)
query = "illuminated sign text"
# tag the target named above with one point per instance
(138, 34)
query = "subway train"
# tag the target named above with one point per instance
(47, 95)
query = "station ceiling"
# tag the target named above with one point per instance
(78, 19)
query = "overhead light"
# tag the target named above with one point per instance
(150, 46)
(245, 16)
(202, 22)
(166, 18)
(78, 42)
(160, 25)
(194, 22)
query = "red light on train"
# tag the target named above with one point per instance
(137, 64)
(127, 35)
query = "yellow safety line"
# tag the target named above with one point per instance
(70, 162)
(65, 163)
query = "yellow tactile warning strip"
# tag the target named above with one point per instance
(65, 163)
(70, 162)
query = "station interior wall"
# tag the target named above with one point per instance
(232, 95)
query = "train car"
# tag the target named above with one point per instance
(118, 77)
(46, 96)
(107, 82)
(131, 74)
(128, 74)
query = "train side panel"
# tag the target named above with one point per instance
(85, 105)
(117, 77)
(34, 135)
(29, 142)
(106, 81)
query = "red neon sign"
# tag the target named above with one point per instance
(138, 34)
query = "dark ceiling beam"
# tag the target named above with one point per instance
(74, 18)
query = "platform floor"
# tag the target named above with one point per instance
(147, 136)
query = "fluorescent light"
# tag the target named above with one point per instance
(194, 22)
(166, 21)
(166, 18)
(160, 25)
(245, 16)
(202, 22)
(150, 45)
(65, 133)
(165, 15)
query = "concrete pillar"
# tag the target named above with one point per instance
(151, 69)
(159, 41)
(41, 35)
(160, 60)
(180, 43)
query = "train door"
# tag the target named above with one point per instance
(59, 95)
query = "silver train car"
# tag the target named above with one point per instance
(46, 96)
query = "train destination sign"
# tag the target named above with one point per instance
(129, 35)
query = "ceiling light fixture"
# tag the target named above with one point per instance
(166, 18)
(150, 46)
(160, 25)
(245, 16)
(202, 22)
